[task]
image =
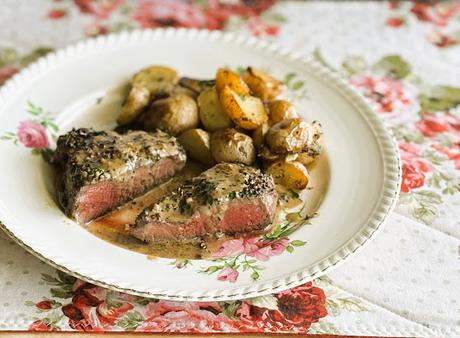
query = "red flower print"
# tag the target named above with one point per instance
(32, 135)
(437, 13)
(109, 314)
(411, 178)
(160, 13)
(167, 316)
(6, 72)
(39, 325)
(390, 95)
(297, 309)
(228, 275)
(441, 40)
(394, 22)
(56, 14)
(452, 153)
(95, 29)
(302, 305)
(47, 304)
(433, 124)
(259, 28)
(414, 167)
(99, 8)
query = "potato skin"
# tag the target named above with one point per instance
(228, 78)
(157, 79)
(174, 114)
(197, 143)
(211, 114)
(279, 110)
(287, 136)
(138, 98)
(262, 84)
(291, 174)
(258, 135)
(248, 112)
(229, 145)
(196, 85)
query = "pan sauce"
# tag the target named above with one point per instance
(113, 227)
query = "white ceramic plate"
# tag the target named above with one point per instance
(364, 166)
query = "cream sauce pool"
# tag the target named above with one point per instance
(113, 227)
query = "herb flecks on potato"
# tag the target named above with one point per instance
(248, 112)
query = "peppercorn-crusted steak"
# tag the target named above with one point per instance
(227, 199)
(100, 170)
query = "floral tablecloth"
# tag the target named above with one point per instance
(404, 57)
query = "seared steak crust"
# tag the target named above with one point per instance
(100, 170)
(228, 199)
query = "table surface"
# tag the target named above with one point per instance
(404, 57)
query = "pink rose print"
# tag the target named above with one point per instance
(228, 275)
(390, 95)
(167, 316)
(39, 325)
(452, 153)
(267, 249)
(32, 135)
(433, 124)
(414, 167)
(99, 8)
(159, 13)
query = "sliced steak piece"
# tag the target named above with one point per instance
(228, 199)
(100, 170)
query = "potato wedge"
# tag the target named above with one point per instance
(229, 145)
(211, 114)
(262, 84)
(248, 112)
(157, 79)
(136, 101)
(288, 136)
(197, 143)
(228, 78)
(279, 110)
(174, 114)
(292, 175)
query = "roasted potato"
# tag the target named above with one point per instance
(258, 135)
(262, 84)
(227, 78)
(313, 145)
(174, 114)
(291, 174)
(279, 110)
(229, 145)
(248, 112)
(287, 136)
(211, 114)
(197, 144)
(157, 79)
(136, 101)
(196, 85)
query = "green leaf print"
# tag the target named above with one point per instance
(353, 64)
(440, 98)
(392, 66)
(130, 321)
(34, 55)
(7, 56)
(229, 309)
